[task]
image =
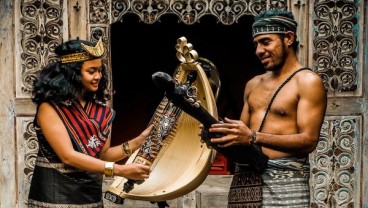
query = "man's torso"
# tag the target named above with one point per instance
(282, 115)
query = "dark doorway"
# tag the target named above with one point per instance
(138, 50)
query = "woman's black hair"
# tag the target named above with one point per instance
(62, 81)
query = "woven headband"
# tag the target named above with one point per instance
(276, 24)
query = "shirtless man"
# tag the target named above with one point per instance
(291, 128)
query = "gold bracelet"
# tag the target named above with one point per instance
(253, 138)
(109, 169)
(126, 148)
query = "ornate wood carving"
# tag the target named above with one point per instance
(28, 149)
(99, 12)
(335, 42)
(334, 172)
(41, 31)
(189, 12)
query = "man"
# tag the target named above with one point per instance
(283, 113)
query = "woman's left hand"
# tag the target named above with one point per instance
(138, 141)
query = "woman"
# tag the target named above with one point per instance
(73, 126)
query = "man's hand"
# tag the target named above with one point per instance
(235, 133)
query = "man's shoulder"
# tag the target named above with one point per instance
(311, 84)
(257, 78)
(309, 77)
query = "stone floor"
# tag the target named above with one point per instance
(212, 193)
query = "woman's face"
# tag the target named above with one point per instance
(91, 74)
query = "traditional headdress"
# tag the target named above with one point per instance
(81, 51)
(274, 21)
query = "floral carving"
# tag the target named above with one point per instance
(333, 174)
(41, 32)
(99, 12)
(335, 44)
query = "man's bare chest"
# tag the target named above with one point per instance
(284, 104)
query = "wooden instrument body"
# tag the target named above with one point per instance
(183, 162)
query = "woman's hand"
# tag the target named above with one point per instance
(138, 141)
(133, 171)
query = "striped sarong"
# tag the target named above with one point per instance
(286, 183)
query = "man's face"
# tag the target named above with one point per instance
(91, 74)
(271, 50)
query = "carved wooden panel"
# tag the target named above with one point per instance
(99, 12)
(27, 147)
(336, 45)
(335, 164)
(41, 31)
(190, 12)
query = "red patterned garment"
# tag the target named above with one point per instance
(88, 126)
(55, 184)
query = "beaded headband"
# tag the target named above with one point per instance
(89, 53)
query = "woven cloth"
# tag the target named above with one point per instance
(246, 188)
(286, 183)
